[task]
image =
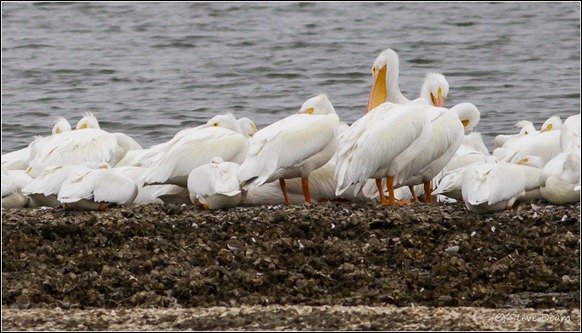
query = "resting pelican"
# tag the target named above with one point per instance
(12, 183)
(189, 149)
(486, 186)
(526, 127)
(545, 145)
(247, 126)
(386, 87)
(292, 147)
(570, 136)
(215, 184)
(564, 187)
(381, 144)
(96, 189)
(44, 189)
(18, 160)
(88, 121)
(79, 146)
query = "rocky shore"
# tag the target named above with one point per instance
(327, 256)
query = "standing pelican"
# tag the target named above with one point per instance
(381, 144)
(292, 147)
(386, 88)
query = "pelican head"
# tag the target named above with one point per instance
(88, 121)
(317, 105)
(526, 126)
(225, 121)
(435, 89)
(384, 73)
(553, 123)
(248, 127)
(468, 114)
(62, 125)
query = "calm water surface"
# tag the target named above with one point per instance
(151, 69)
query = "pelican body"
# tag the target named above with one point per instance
(292, 147)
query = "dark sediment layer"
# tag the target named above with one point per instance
(324, 254)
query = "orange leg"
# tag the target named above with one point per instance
(284, 189)
(414, 197)
(390, 185)
(305, 185)
(427, 192)
(381, 192)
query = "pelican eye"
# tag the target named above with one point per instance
(465, 122)
(215, 124)
(310, 111)
(526, 132)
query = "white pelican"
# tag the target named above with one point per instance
(247, 126)
(88, 121)
(494, 185)
(446, 139)
(526, 127)
(79, 146)
(221, 136)
(447, 136)
(18, 160)
(153, 194)
(215, 184)
(96, 189)
(44, 189)
(564, 187)
(381, 144)
(386, 87)
(12, 183)
(570, 137)
(292, 147)
(544, 144)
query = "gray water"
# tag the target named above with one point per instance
(151, 69)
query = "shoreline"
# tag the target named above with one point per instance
(438, 257)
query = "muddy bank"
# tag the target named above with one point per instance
(325, 254)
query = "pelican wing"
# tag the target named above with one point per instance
(287, 143)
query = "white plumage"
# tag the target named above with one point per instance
(12, 183)
(215, 185)
(195, 147)
(381, 144)
(96, 189)
(385, 87)
(494, 185)
(564, 187)
(292, 147)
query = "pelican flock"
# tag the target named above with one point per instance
(400, 151)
